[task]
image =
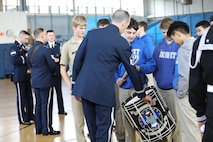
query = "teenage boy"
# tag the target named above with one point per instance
(144, 64)
(148, 40)
(200, 83)
(68, 52)
(165, 55)
(179, 32)
(103, 23)
(201, 27)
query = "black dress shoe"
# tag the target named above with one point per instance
(38, 132)
(54, 132)
(25, 123)
(63, 113)
(45, 134)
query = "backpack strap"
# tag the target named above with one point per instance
(34, 51)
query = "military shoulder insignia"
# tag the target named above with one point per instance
(13, 53)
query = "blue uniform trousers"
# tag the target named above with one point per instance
(24, 101)
(60, 101)
(43, 110)
(99, 120)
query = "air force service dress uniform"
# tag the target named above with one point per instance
(21, 78)
(43, 67)
(93, 78)
(55, 52)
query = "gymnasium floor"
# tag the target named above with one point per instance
(11, 131)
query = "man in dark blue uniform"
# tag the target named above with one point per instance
(43, 67)
(21, 78)
(55, 51)
(93, 75)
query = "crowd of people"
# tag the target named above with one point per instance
(103, 69)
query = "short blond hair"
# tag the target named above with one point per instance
(79, 20)
(165, 23)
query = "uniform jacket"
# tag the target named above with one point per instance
(96, 62)
(43, 67)
(55, 52)
(19, 61)
(201, 75)
(142, 57)
(68, 52)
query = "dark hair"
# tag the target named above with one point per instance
(143, 24)
(133, 24)
(211, 18)
(178, 26)
(203, 23)
(50, 31)
(24, 32)
(103, 22)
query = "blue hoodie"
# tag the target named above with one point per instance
(143, 58)
(165, 57)
(148, 39)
